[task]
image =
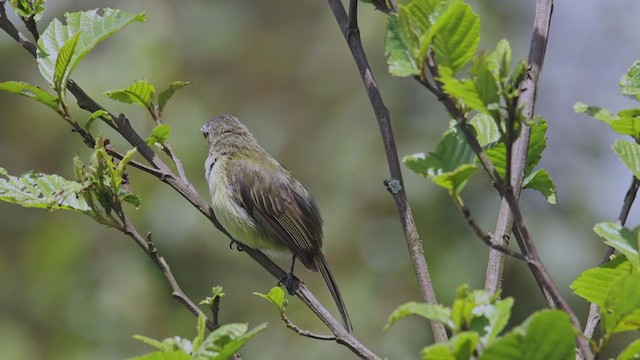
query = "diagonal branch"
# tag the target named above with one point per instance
(395, 185)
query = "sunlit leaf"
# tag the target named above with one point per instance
(30, 91)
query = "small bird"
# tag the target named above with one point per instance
(261, 204)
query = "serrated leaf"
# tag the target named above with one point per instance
(593, 284)
(596, 112)
(159, 134)
(455, 36)
(550, 335)
(61, 73)
(486, 129)
(44, 191)
(621, 308)
(30, 91)
(620, 238)
(537, 144)
(629, 153)
(627, 126)
(486, 83)
(455, 180)
(165, 95)
(398, 50)
(276, 297)
(140, 92)
(93, 29)
(462, 90)
(541, 181)
(630, 81)
(427, 311)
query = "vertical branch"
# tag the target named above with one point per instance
(395, 185)
(527, 100)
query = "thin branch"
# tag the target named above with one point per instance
(414, 243)
(302, 332)
(123, 126)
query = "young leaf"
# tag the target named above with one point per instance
(30, 91)
(28, 8)
(463, 90)
(222, 343)
(630, 82)
(96, 115)
(165, 355)
(456, 36)
(427, 311)
(159, 134)
(460, 346)
(276, 297)
(596, 112)
(165, 95)
(93, 29)
(487, 131)
(629, 153)
(398, 50)
(621, 308)
(537, 144)
(620, 238)
(593, 284)
(140, 92)
(499, 61)
(486, 83)
(61, 73)
(43, 191)
(541, 181)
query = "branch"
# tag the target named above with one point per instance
(302, 332)
(414, 243)
(184, 188)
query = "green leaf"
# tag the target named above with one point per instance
(486, 129)
(630, 82)
(159, 134)
(486, 83)
(537, 144)
(621, 308)
(216, 292)
(30, 91)
(499, 61)
(427, 311)
(593, 284)
(61, 72)
(449, 166)
(28, 8)
(498, 315)
(140, 92)
(165, 355)
(93, 29)
(596, 112)
(630, 352)
(165, 95)
(96, 115)
(464, 91)
(620, 238)
(545, 335)
(398, 50)
(276, 297)
(629, 153)
(460, 346)
(201, 328)
(222, 343)
(456, 36)
(541, 181)
(149, 341)
(627, 126)
(44, 191)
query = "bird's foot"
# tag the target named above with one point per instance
(238, 245)
(287, 281)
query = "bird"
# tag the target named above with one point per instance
(262, 205)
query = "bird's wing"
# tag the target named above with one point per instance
(276, 204)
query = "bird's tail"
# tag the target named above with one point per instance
(323, 268)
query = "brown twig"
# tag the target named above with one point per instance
(164, 173)
(414, 243)
(301, 332)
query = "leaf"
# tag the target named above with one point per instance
(222, 343)
(462, 90)
(165, 355)
(508, 347)
(398, 50)
(165, 95)
(93, 29)
(140, 92)
(30, 91)
(216, 292)
(486, 129)
(498, 315)
(61, 73)
(96, 115)
(460, 346)
(621, 308)
(499, 61)
(593, 284)
(630, 82)
(276, 297)
(456, 36)
(627, 126)
(596, 112)
(427, 311)
(28, 8)
(541, 181)
(621, 239)
(486, 83)
(629, 153)
(159, 134)
(537, 144)
(39, 190)
(630, 352)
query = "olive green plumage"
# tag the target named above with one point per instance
(260, 203)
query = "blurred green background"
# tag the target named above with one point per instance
(72, 289)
